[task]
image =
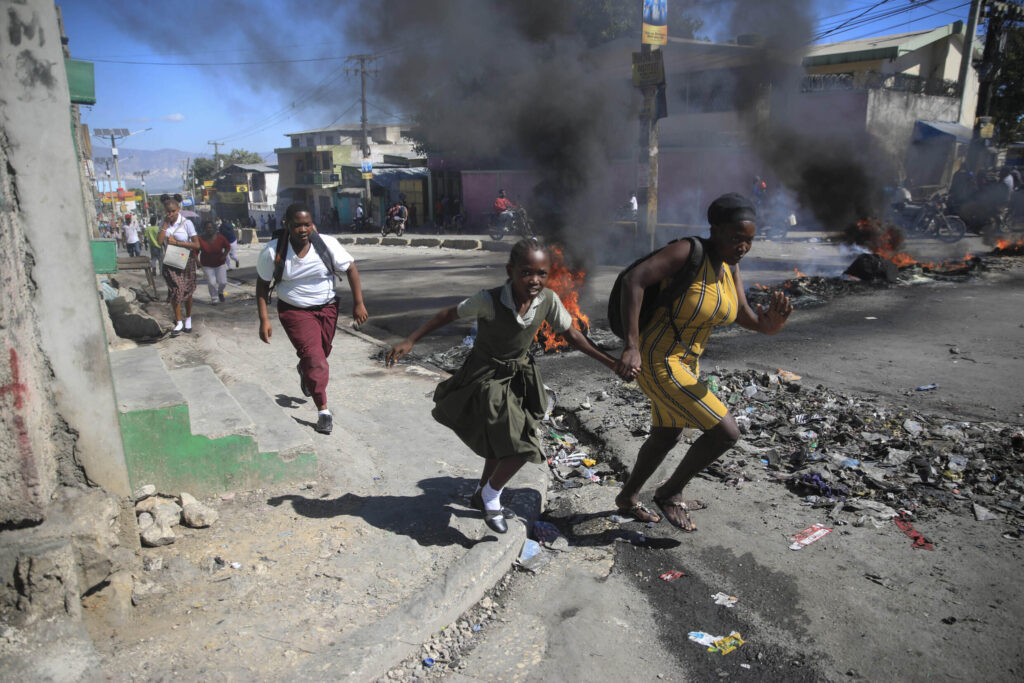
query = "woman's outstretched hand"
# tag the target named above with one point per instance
(628, 366)
(773, 318)
(397, 352)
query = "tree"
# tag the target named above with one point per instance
(600, 21)
(205, 169)
(1008, 92)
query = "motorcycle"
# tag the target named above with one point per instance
(395, 224)
(927, 219)
(518, 224)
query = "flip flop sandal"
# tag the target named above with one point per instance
(638, 511)
(691, 505)
(663, 504)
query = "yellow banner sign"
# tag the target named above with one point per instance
(207, 183)
(241, 188)
(367, 176)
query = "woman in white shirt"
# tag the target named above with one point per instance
(178, 231)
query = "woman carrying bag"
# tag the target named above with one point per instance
(180, 242)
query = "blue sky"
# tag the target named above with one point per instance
(186, 106)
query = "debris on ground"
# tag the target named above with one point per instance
(808, 536)
(720, 644)
(829, 448)
(671, 575)
(724, 599)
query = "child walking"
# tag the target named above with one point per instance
(495, 401)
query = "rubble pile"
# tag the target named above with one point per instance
(158, 514)
(854, 454)
(815, 290)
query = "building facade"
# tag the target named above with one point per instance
(312, 168)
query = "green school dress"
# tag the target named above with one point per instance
(496, 400)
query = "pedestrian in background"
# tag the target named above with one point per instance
(178, 231)
(155, 252)
(131, 236)
(213, 257)
(228, 230)
(495, 402)
(302, 265)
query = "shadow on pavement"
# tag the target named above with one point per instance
(286, 401)
(424, 518)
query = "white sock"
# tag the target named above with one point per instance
(492, 498)
(325, 411)
(178, 325)
(188, 321)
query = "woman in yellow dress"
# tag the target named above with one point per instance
(664, 356)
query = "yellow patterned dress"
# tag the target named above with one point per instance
(669, 368)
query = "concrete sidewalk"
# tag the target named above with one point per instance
(341, 577)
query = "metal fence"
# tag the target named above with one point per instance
(874, 80)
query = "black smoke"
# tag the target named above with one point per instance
(838, 173)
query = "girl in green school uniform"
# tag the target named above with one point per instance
(495, 401)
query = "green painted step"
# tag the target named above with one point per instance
(184, 431)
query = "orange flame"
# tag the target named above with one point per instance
(798, 273)
(885, 241)
(1007, 248)
(566, 283)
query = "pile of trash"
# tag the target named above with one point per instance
(854, 454)
(866, 273)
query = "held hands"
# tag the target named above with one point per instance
(359, 314)
(398, 352)
(772, 318)
(628, 366)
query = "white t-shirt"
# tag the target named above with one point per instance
(131, 233)
(182, 230)
(305, 282)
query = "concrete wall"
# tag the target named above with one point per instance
(891, 117)
(58, 417)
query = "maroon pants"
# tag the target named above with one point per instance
(311, 331)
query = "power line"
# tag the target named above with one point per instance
(246, 63)
(875, 31)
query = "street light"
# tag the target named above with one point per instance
(116, 134)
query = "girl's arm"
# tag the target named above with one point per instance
(443, 317)
(765, 320)
(359, 313)
(579, 341)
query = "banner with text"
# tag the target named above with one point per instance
(655, 28)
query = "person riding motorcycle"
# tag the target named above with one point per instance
(504, 209)
(398, 212)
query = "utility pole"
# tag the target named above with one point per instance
(145, 197)
(968, 53)
(116, 134)
(363, 60)
(216, 155)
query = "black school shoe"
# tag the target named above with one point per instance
(477, 501)
(324, 424)
(495, 523)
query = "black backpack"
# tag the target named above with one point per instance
(654, 296)
(321, 248)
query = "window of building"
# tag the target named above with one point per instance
(295, 141)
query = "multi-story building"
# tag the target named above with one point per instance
(321, 167)
(241, 191)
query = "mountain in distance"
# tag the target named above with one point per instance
(165, 167)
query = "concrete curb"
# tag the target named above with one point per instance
(461, 243)
(381, 646)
